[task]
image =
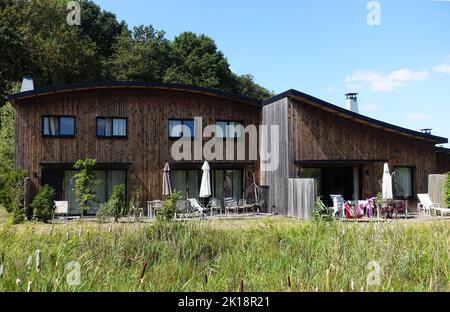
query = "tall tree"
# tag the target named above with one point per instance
(140, 55)
(197, 61)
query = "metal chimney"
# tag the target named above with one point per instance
(351, 102)
(27, 83)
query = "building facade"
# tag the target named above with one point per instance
(131, 128)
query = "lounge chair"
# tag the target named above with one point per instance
(427, 206)
(231, 204)
(197, 207)
(62, 209)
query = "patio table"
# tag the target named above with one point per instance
(153, 207)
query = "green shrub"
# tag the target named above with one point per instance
(118, 202)
(85, 183)
(447, 190)
(104, 212)
(135, 202)
(321, 211)
(168, 210)
(43, 204)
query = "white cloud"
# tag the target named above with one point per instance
(380, 82)
(331, 89)
(442, 68)
(419, 117)
(370, 108)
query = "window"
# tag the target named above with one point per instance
(112, 127)
(403, 182)
(179, 128)
(58, 126)
(228, 129)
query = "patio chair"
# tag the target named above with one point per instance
(182, 209)
(62, 209)
(215, 206)
(427, 206)
(195, 206)
(244, 206)
(231, 204)
(338, 205)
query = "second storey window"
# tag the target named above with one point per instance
(228, 129)
(58, 126)
(179, 128)
(112, 127)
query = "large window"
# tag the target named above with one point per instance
(112, 127)
(403, 182)
(228, 129)
(58, 126)
(106, 179)
(187, 182)
(179, 128)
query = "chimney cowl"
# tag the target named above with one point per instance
(27, 83)
(351, 102)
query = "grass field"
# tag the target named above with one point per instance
(271, 254)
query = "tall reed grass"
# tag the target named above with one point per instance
(304, 256)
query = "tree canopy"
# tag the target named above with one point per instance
(36, 38)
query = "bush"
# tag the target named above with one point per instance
(135, 202)
(321, 211)
(85, 183)
(104, 212)
(447, 191)
(168, 210)
(43, 204)
(118, 202)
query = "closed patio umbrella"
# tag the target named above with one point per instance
(387, 184)
(205, 186)
(386, 187)
(167, 187)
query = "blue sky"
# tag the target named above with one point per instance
(325, 48)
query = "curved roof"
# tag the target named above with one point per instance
(129, 85)
(342, 112)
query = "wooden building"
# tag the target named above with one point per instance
(130, 129)
(125, 127)
(345, 151)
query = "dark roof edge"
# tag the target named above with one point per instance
(442, 150)
(93, 85)
(293, 93)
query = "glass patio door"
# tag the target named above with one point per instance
(228, 183)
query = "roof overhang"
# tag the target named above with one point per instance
(346, 114)
(79, 87)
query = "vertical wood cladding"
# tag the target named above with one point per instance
(147, 147)
(321, 135)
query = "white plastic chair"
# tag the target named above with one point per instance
(427, 206)
(62, 208)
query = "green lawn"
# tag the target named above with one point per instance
(271, 254)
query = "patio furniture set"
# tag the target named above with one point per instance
(192, 207)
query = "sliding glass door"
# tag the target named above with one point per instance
(187, 182)
(228, 183)
(106, 180)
